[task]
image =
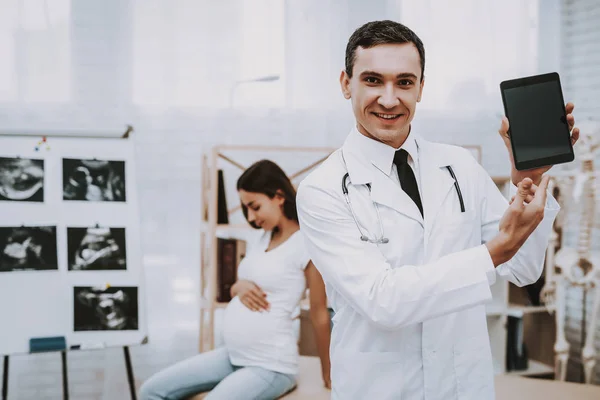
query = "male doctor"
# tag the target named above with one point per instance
(409, 255)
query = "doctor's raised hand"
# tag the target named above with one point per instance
(526, 208)
(522, 217)
(534, 174)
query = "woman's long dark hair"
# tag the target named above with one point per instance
(268, 178)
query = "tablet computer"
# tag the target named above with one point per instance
(538, 127)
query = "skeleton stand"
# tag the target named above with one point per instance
(579, 267)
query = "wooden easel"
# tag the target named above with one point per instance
(65, 380)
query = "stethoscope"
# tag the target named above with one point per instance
(382, 239)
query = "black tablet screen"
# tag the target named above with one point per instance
(537, 122)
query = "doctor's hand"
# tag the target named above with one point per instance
(327, 380)
(524, 214)
(534, 174)
(527, 194)
(250, 295)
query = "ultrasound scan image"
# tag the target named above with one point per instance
(99, 248)
(93, 180)
(28, 248)
(21, 179)
(105, 309)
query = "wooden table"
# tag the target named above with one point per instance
(310, 387)
(516, 388)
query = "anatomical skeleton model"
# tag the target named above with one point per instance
(580, 265)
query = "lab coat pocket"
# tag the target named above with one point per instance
(459, 218)
(473, 368)
(367, 375)
(455, 232)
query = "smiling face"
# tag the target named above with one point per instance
(385, 88)
(262, 211)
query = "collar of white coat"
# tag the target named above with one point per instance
(359, 151)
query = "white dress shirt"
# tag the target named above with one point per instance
(382, 155)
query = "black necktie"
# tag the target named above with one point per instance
(407, 177)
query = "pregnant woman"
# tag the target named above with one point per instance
(259, 359)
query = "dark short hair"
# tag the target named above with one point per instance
(268, 178)
(381, 32)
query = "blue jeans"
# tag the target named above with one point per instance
(213, 371)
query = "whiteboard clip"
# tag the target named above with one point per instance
(127, 132)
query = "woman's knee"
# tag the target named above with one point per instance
(151, 390)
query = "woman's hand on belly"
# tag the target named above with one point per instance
(250, 295)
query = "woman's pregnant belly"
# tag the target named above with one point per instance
(244, 328)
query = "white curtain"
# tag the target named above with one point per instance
(191, 53)
(35, 51)
(470, 47)
(204, 54)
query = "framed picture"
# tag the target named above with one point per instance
(96, 249)
(21, 179)
(93, 180)
(28, 248)
(105, 308)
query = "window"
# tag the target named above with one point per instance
(8, 72)
(261, 79)
(470, 46)
(35, 51)
(191, 53)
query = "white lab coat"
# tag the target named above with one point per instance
(410, 319)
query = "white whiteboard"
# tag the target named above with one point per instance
(41, 303)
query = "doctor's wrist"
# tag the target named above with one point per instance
(500, 248)
(518, 176)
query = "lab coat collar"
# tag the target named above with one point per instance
(360, 152)
(369, 161)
